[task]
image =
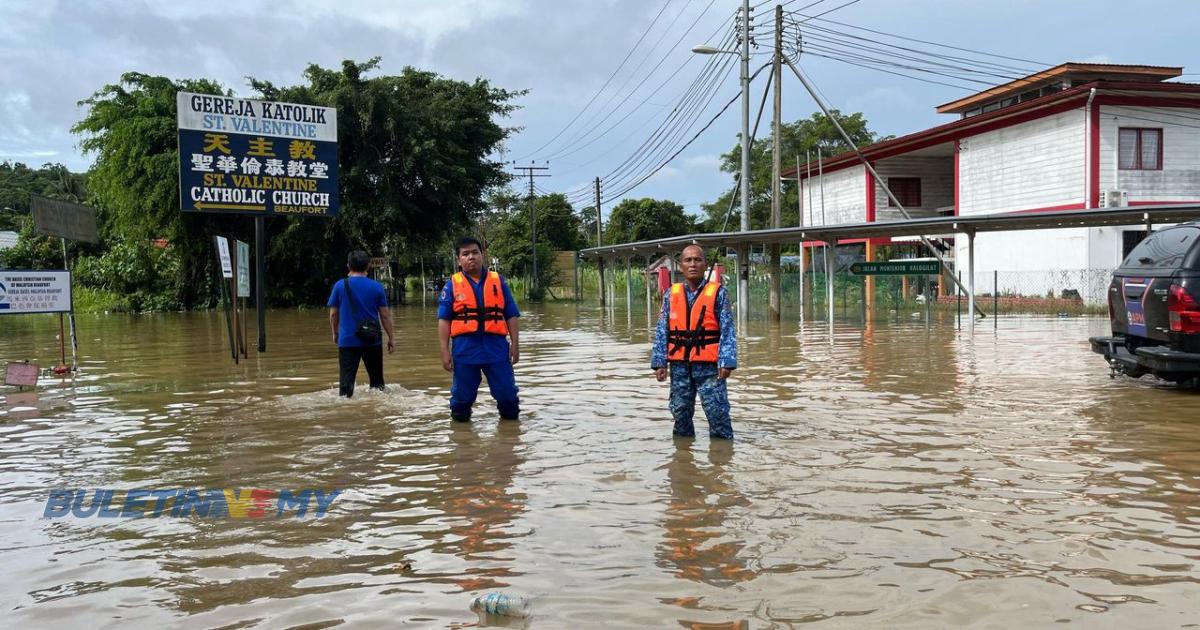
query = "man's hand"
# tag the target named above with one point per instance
(391, 345)
(661, 374)
(335, 338)
(514, 353)
(723, 373)
(447, 361)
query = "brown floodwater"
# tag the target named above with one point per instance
(885, 476)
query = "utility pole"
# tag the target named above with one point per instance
(744, 251)
(531, 172)
(776, 165)
(600, 240)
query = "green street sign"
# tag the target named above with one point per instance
(896, 268)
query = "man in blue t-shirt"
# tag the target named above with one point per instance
(365, 300)
(478, 312)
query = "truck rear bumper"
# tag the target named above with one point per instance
(1160, 361)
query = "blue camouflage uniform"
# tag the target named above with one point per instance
(480, 353)
(688, 379)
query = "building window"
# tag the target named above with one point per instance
(907, 191)
(1140, 149)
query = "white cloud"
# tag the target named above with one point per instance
(709, 162)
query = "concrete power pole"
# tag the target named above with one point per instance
(743, 294)
(776, 165)
(600, 241)
(531, 172)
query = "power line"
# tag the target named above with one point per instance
(606, 82)
(601, 134)
(705, 84)
(689, 142)
(842, 6)
(922, 41)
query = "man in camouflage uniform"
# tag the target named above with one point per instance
(696, 345)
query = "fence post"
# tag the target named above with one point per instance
(995, 298)
(958, 303)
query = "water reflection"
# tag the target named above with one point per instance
(479, 500)
(698, 545)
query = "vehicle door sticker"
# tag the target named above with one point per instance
(1135, 310)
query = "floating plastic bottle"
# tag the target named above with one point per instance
(503, 604)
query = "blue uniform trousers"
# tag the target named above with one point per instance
(687, 380)
(501, 382)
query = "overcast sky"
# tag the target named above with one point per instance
(53, 54)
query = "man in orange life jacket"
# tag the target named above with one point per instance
(478, 312)
(696, 345)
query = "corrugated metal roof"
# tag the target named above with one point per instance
(1003, 222)
(8, 239)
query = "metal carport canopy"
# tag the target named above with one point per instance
(1004, 222)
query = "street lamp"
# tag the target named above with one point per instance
(744, 184)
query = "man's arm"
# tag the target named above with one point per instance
(385, 318)
(514, 334)
(727, 348)
(333, 322)
(658, 354)
(444, 344)
(445, 314)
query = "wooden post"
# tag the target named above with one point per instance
(869, 283)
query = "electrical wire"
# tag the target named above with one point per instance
(653, 70)
(606, 82)
(695, 93)
(682, 102)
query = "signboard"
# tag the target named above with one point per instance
(896, 268)
(238, 155)
(53, 217)
(243, 269)
(21, 374)
(24, 292)
(223, 256)
(380, 262)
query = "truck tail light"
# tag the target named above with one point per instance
(1183, 310)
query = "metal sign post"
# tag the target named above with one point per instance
(226, 263)
(66, 220)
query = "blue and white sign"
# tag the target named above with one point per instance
(244, 156)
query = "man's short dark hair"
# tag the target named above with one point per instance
(467, 241)
(703, 254)
(358, 261)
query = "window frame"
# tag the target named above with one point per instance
(920, 195)
(1138, 166)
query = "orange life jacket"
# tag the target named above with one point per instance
(468, 316)
(693, 330)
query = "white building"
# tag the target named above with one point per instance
(1074, 136)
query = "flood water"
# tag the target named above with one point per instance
(891, 476)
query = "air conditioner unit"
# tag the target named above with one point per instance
(1113, 199)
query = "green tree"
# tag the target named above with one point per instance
(796, 139)
(130, 128)
(558, 229)
(646, 219)
(17, 183)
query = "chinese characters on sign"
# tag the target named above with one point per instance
(35, 292)
(257, 157)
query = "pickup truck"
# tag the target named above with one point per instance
(1154, 308)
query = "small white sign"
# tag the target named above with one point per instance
(243, 269)
(223, 254)
(34, 292)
